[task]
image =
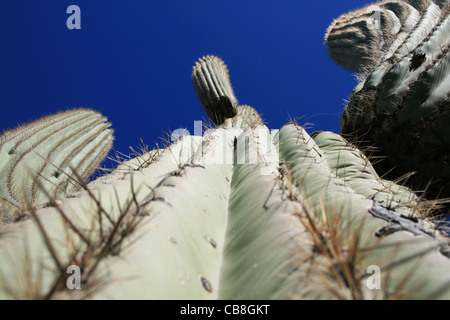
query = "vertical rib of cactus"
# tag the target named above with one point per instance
(312, 174)
(115, 190)
(85, 167)
(352, 166)
(56, 176)
(262, 248)
(212, 85)
(28, 149)
(34, 155)
(169, 159)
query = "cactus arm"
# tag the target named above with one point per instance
(401, 105)
(16, 147)
(212, 85)
(356, 40)
(36, 155)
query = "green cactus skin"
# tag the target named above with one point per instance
(401, 106)
(38, 159)
(204, 219)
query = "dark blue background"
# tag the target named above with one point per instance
(132, 61)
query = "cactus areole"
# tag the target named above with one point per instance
(240, 212)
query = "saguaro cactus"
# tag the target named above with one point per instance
(240, 213)
(402, 105)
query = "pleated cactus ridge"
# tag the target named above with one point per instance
(44, 159)
(401, 106)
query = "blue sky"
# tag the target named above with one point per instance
(132, 61)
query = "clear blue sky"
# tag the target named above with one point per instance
(132, 61)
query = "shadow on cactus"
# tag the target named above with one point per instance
(401, 105)
(238, 213)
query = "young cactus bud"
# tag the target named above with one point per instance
(40, 159)
(213, 87)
